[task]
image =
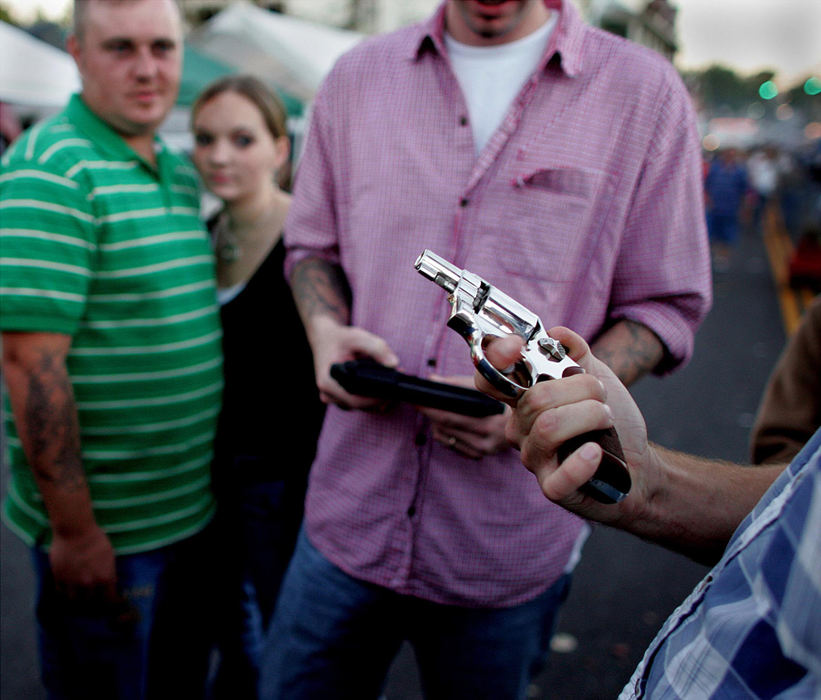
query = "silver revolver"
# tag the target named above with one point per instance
(480, 312)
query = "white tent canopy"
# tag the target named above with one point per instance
(292, 53)
(32, 72)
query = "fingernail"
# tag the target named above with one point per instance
(589, 451)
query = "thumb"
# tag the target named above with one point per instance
(576, 346)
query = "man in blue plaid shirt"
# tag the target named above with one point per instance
(752, 627)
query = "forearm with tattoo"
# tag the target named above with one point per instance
(630, 349)
(320, 288)
(49, 425)
(45, 415)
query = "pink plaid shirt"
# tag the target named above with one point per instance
(585, 206)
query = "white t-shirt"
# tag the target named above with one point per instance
(492, 76)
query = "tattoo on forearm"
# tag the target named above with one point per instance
(630, 349)
(51, 425)
(320, 288)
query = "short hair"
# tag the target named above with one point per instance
(81, 11)
(255, 91)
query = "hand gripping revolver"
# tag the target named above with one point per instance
(479, 312)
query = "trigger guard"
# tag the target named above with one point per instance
(507, 386)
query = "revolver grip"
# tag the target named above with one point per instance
(611, 482)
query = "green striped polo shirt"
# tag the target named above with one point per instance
(99, 244)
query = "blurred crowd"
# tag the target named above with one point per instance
(764, 189)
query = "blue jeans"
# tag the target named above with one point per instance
(257, 534)
(723, 228)
(127, 652)
(334, 636)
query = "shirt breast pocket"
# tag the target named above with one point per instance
(554, 223)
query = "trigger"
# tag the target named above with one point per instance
(461, 326)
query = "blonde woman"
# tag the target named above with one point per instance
(271, 411)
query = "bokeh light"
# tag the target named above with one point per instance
(784, 112)
(710, 142)
(768, 90)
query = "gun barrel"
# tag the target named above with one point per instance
(445, 274)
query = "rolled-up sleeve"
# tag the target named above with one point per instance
(663, 278)
(311, 226)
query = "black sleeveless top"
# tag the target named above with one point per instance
(271, 413)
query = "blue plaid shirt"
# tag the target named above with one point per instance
(752, 627)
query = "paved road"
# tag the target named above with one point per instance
(624, 588)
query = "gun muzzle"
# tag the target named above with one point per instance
(444, 273)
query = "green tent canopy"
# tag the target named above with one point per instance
(199, 70)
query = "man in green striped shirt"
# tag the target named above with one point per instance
(111, 358)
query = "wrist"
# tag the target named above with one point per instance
(648, 508)
(319, 326)
(76, 529)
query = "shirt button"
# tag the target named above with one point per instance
(431, 362)
(411, 511)
(420, 439)
(463, 121)
(464, 202)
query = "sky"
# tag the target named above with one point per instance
(751, 35)
(746, 35)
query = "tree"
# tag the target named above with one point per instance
(7, 15)
(723, 92)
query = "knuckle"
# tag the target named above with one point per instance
(546, 423)
(603, 413)
(596, 387)
(531, 456)
(549, 489)
(540, 395)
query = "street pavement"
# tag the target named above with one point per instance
(624, 588)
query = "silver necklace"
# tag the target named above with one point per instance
(228, 247)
